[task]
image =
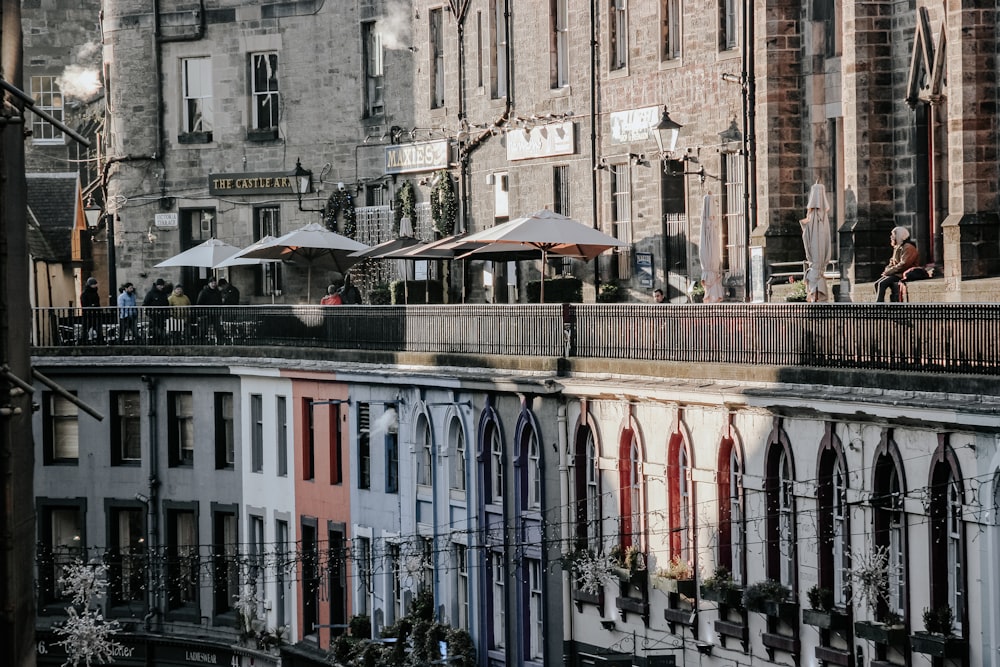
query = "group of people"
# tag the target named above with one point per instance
(341, 292)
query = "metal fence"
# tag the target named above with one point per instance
(931, 338)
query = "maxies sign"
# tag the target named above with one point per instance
(266, 183)
(421, 156)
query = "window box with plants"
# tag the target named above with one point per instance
(889, 633)
(722, 589)
(771, 598)
(937, 639)
(870, 582)
(590, 573)
(676, 578)
(823, 613)
(630, 566)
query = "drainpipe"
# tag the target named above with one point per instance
(152, 515)
(567, 528)
(595, 204)
(749, 135)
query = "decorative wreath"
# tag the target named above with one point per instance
(341, 202)
(444, 204)
(405, 204)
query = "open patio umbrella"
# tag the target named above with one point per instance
(312, 245)
(385, 249)
(549, 232)
(237, 259)
(204, 255)
(816, 239)
(711, 253)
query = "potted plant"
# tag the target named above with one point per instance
(676, 577)
(768, 597)
(870, 582)
(590, 571)
(720, 587)
(610, 292)
(937, 638)
(697, 292)
(822, 612)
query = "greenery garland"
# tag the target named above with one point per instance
(405, 204)
(444, 204)
(339, 202)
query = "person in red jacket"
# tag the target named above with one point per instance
(904, 256)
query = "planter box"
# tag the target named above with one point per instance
(780, 642)
(786, 611)
(834, 656)
(269, 134)
(827, 620)
(685, 587)
(582, 597)
(633, 605)
(687, 617)
(938, 645)
(726, 597)
(734, 630)
(880, 633)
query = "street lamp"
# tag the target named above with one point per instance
(301, 184)
(665, 132)
(93, 214)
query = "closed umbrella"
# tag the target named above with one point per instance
(312, 245)
(549, 232)
(204, 255)
(711, 253)
(816, 239)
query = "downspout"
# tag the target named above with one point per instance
(567, 531)
(152, 515)
(595, 204)
(749, 135)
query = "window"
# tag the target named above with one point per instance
(395, 582)
(618, 37)
(423, 443)
(336, 593)
(833, 512)
(180, 424)
(828, 12)
(309, 441)
(533, 484)
(427, 562)
(336, 445)
(437, 59)
(392, 463)
(496, 466)
(670, 29)
(558, 17)
(61, 432)
(731, 527)
(621, 215)
(197, 107)
(734, 228)
(498, 600)
(462, 586)
(182, 559)
(371, 42)
(536, 618)
(364, 573)
(947, 567)
(786, 520)
(263, 91)
(225, 561)
(456, 436)
(632, 492)
(310, 576)
(225, 445)
(126, 444)
(479, 48)
(728, 25)
(62, 542)
(560, 190)
(256, 562)
(364, 447)
(127, 556)
(282, 558)
(267, 277)
(256, 433)
(586, 487)
(501, 197)
(679, 490)
(498, 50)
(281, 425)
(48, 98)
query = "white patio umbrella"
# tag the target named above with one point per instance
(312, 245)
(549, 232)
(204, 255)
(711, 253)
(237, 259)
(816, 239)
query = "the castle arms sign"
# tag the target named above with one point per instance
(263, 183)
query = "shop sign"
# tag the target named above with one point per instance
(265, 183)
(128, 651)
(421, 156)
(544, 141)
(634, 125)
(165, 220)
(192, 655)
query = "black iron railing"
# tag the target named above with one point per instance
(932, 338)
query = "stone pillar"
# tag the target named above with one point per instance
(868, 104)
(972, 229)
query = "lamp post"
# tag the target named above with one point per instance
(665, 133)
(301, 184)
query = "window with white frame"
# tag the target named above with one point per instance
(499, 630)
(634, 493)
(618, 34)
(498, 50)
(621, 215)
(736, 516)
(670, 29)
(264, 90)
(496, 466)
(281, 439)
(956, 576)
(364, 446)
(61, 429)
(423, 443)
(786, 520)
(427, 563)
(180, 421)
(364, 566)
(281, 561)
(462, 586)
(267, 276)
(536, 620)
(48, 98)
(728, 25)
(593, 498)
(534, 472)
(559, 47)
(683, 527)
(456, 436)
(734, 230)
(897, 546)
(374, 75)
(437, 58)
(256, 570)
(225, 442)
(841, 537)
(197, 109)
(395, 581)
(125, 435)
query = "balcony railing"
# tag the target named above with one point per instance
(930, 338)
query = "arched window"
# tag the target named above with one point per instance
(890, 525)
(534, 473)
(947, 536)
(423, 441)
(730, 500)
(588, 498)
(456, 445)
(833, 515)
(679, 492)
(496, 466)
(630, 492)
(779, 487)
